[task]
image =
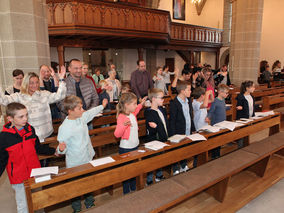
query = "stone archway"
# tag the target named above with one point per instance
(224, 59)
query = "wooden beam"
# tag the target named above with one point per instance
(61, 58)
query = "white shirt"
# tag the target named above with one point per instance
(250, 104)
(199, 115)
(133, 140)
(162, 119)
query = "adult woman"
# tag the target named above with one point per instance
(18, 76)
(115, 84)
(37, 102)
(98, 76)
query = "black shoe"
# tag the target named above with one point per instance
(149, 183)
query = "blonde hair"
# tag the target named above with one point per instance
(223, 88)
(153, 93)
(125, 98)
(102, 83)
(71, 101)
(25, 84)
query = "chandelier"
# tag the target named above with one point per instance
(196, 1)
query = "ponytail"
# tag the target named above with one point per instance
(245, 85)
(124, 99)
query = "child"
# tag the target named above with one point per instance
(127, 130)
(125, 87)
(245, 104)
(160, 81)
(157, 125)
(104, 94)
(199, 105)
(18, 151)
(181, 118)
(74, 139)
(245, 101)
(217, 112)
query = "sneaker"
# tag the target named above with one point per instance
(184, 169)
(176, 172)
(148, 183)
(158, 179)
(90, 206)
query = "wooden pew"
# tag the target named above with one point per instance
(213, 177)
(83, 179)
(274, 102)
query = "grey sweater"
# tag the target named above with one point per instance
(217, 112)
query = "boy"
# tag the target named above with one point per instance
(217, 112)
(199, 105)
(74, 139)
(104, 94)
(19, 147)
(157, 125)
(181, 118)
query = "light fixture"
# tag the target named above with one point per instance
(196, 1)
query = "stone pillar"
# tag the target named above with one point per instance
(227, 23)
(24, 40)
(245, 40)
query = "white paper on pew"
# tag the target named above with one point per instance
(42, 178)
(155, 145)
(263, 114)
(255, 118)
(239, 123)
(176, 138)
(196, 137)
(246, 120)
(210, 128)
(44, 171)
(101, 161)
(227, 125)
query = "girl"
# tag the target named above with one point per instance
(160, 80)
(245, 101)
(208, 83)
(37, 102)
(127, 130)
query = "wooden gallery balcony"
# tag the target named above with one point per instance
(91, 23)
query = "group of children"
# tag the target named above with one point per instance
(19, 141)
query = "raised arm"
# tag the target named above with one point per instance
(6, 99)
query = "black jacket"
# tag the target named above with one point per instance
(159, 133)
(219, 78)
(177, 119)
(242, 101)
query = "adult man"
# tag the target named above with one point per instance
(49, 81)
(141, 80)
(81, 87)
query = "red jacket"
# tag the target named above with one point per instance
(19, 153)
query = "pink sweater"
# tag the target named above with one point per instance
(122, 131)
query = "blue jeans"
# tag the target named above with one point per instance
(76, 202)
(130, 184)
(150, 175)
(22, 205)
(240, 143)
(215, 152)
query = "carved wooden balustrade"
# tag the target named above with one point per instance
(106, 19)
(186, 32)
(91, 20)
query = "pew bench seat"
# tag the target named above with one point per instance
(213, 177)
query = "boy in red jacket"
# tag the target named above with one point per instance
(19, 147)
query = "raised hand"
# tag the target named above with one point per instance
(62, 72)
(239, 107)
(127, 123)
(104, 103)
(144, 100)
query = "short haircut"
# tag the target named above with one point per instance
(182, 85)
(153, 93)
(71, 102)
(197, 92)
(102, 83)
(74, 59)
(185, 72)
(17, 72)
(12, 108)
(138, 62)
(223, 88)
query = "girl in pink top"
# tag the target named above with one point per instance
(127, 129)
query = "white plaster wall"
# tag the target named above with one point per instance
(69, 54)
(211, 15)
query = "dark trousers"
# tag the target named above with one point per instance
(215, 153)
(76, 202)
(130, 184)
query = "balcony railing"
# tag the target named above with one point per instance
(91, 18)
